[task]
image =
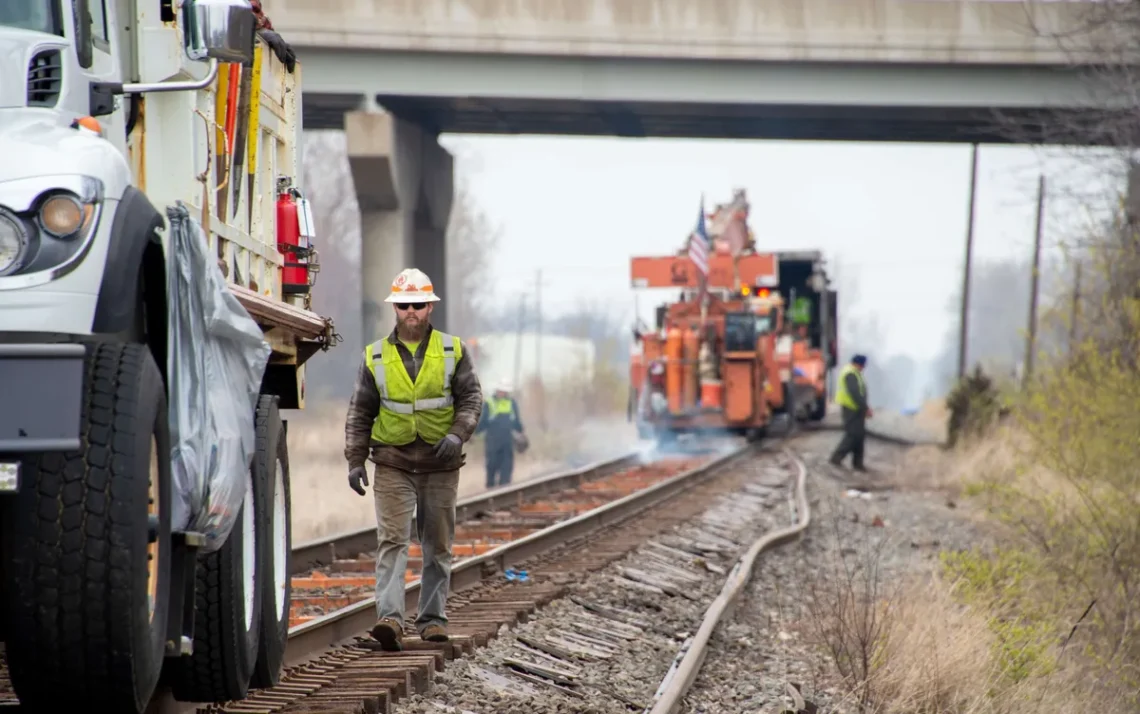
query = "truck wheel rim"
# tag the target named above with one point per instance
(280, 540)
(249, 553)
(152, 511)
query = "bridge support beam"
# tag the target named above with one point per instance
(404, 185)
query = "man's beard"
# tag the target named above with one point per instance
(411, 332)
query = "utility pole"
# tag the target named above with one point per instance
(1075, 313)
(965, 320)
(540, 386)
(538, 323)
(1031, 338)
(519, 341)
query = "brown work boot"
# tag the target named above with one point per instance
(434, 633)
(389, 633)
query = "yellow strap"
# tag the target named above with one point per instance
(254, 111)
(221, 100)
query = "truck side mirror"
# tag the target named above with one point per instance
(84, 41)
(223, 30)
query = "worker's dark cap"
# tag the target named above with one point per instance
(859, 360)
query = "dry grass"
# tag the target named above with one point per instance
(935, 655)
(323, 504)
(914, 648)
(933, 416)
(943, 643)
(931, 468)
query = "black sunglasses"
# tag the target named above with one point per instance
(411, 305)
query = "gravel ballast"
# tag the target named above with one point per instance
(608, 645)
(613, 639)
(762, 658)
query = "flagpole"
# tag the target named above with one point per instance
(704, 279)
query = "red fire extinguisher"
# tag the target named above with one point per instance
(294, 231)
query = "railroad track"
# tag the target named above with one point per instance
(332, 666)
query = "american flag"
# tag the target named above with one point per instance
(699, 243)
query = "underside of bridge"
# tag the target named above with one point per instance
(561, 117)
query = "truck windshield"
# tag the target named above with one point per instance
(37, 15)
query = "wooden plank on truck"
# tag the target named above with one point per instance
(678, 271)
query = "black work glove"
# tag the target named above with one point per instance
(356, 477)
(448, 447)
(283, 51)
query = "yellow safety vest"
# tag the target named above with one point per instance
(842, 397)
(424, 407)
(499, 407)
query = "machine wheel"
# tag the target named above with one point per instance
(271, 490)
(87, 571)
(227, 613)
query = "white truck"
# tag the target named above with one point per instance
(149, 166)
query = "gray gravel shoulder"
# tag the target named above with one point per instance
(763, 659)
(606, 647)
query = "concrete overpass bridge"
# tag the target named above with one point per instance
(397, 73)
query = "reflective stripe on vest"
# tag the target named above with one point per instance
(423, 407)
(499, 407)
(842, 397)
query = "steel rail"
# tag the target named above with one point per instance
(323, 551)
(311, 638)
(680, 677)
(874, 433)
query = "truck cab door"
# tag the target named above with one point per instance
(98, 51)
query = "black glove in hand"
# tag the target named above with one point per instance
(281, 48)
(356, 477)
(448, 447)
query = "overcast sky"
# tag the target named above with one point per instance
(892, 214)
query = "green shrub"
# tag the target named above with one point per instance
(974, 404)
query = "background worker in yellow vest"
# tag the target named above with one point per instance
(500, 422)
(416, 402)
(851, 396)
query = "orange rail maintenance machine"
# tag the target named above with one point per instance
(758, 340)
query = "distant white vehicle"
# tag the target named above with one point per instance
(497, 353)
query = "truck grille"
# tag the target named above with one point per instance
(45, 79)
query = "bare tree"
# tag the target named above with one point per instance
(471, 241)
(327, 181)
(1104, 45)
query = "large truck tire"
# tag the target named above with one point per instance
(87, 574)
(227, 614)
(271, 487)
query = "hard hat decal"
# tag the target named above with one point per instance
(412, 285)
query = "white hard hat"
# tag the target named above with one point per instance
(503, 386)
(412, 285)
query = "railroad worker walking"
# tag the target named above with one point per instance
(500, 421)
(417, 400)
(851, 396)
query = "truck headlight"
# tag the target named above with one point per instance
(47, 225)
(63, 215)
(13, 242)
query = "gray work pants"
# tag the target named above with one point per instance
(432, 498)
(854, 437)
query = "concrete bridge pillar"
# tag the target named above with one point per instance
(404, 185)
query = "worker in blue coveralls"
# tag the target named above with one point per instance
(500, 421)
